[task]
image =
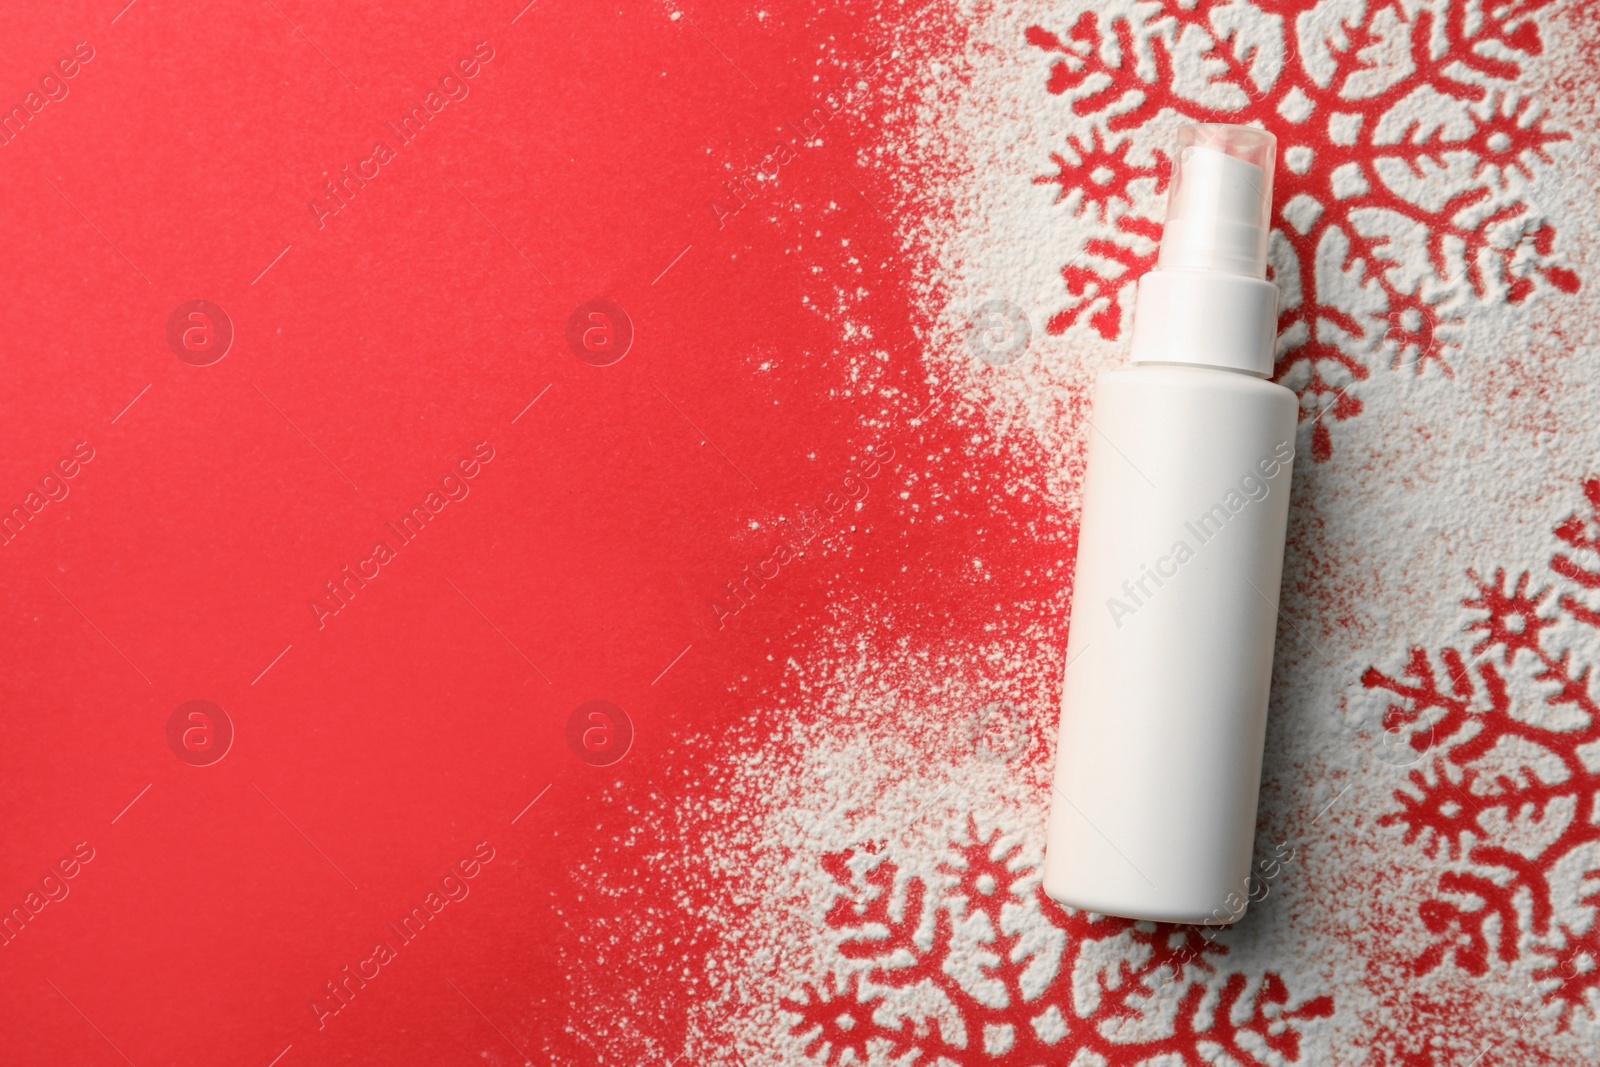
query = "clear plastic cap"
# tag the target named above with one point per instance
(1219, 208)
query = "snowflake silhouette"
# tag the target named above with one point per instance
(976, 965)
(1510, 791)
(1404, 173)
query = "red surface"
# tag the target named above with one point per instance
(386, 343)
(413, 744)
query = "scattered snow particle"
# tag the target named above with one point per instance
(1344, 127)
(1349, 180)
(1296, 106)
(1302, 212)
(998, 1038)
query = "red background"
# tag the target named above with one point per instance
(417, 322)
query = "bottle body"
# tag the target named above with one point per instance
(1169, 657)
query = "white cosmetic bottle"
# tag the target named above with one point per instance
(1185, 503)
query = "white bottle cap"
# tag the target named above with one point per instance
(1219, 207)
(1208, 301)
